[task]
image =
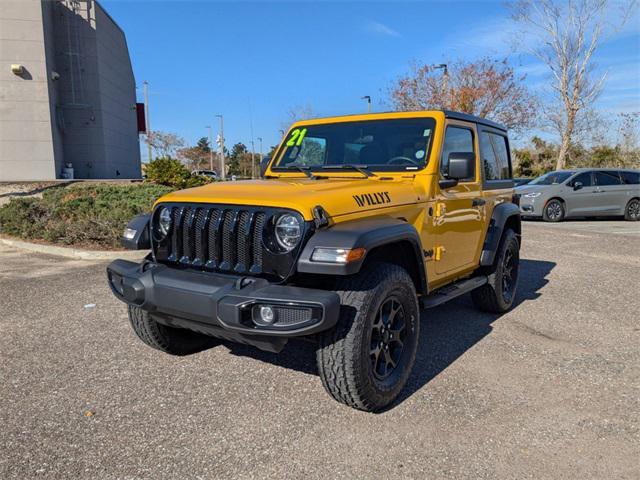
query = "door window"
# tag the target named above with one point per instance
(495, 156)
(459, 140)
(502, 155)
(583, 178)
(607, 178)
(630, 178)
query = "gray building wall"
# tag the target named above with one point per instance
(91, 106)
(26, 138)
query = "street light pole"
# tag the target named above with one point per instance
(253, 158)
(368, 99)
(445, 81)
(223, 173)
(260, 140)
(210, 147)
(147, 122)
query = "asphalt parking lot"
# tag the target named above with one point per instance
(549, 390)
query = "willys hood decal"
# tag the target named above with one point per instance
(338, 196)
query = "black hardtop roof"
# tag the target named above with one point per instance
(472, 118)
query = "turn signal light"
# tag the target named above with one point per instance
(337, 255)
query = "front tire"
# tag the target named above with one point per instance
(365, 361)
(553, 211)
(175, 341)
(498, 294)
(632, 211)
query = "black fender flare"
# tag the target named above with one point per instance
(139, 228)
(367, 233)
(501, 214)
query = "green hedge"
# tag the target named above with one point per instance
(92, 215)
(172, 173)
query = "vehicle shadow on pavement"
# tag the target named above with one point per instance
(446, 333)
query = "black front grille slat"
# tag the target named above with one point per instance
(200, 237)
(243, 246)
(176, 234)
(213, 242)
(217, 238)
(229, 240)
(256, 250)
(188, 238)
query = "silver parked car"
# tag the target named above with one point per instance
(583, 192)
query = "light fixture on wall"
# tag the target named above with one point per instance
(17, 69)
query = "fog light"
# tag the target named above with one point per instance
(267, 315)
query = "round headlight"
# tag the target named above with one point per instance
(164, 222)
(288, 231)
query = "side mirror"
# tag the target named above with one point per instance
(462, 165)
(577, 185)
(264, 163)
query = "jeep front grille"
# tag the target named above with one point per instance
(221, 238)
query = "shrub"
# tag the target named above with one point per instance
(79, 214)
(170, 172)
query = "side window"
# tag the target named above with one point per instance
(607, 178)
(490, 164)
(456, 139)
(630, 178)
(502, 155)
(583, 178)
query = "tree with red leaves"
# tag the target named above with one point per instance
(486, 88)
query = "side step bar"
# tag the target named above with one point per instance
(450, 292)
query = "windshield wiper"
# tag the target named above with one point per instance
(349, 166)
(302, 169)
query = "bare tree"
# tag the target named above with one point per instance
(629, 138)
(165, 144)
(569, 33)
(485, 87)
(296, 113)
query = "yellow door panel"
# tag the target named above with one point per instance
(460, 211)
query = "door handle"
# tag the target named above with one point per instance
(477, 202)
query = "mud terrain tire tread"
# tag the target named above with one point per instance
(339, 350)
(488, 297)
(174, 341)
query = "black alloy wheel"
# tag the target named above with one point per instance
(509, 273)
(387, 339)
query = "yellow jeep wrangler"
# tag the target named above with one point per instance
(358, 222)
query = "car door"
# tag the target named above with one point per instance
(611, 197)
(459, 211)
(631, 181)
(581, 201)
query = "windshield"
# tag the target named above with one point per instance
(386, 145)
(551, 178)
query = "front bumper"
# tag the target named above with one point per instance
(224, 306)
(531, 207)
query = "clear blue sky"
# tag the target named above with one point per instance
(205, 58)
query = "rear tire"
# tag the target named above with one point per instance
(498, 294)
(632, 211)
(553, 211)
(365, 361)
(175, 341)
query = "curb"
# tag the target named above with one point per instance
(75, 253)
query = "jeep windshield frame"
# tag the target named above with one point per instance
(386, 145)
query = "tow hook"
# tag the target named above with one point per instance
(243, 282)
